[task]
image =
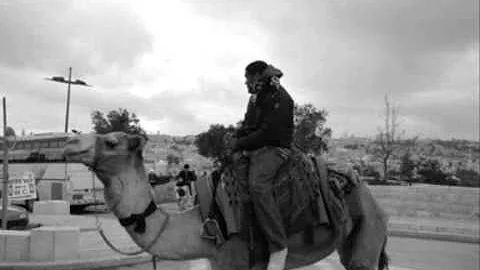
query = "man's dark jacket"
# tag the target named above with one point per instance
(268, 121)
(186, 177)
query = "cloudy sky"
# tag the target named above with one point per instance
(179, 65)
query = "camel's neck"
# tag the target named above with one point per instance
(181, 238)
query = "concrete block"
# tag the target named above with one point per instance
(14, 245)
(54, 243)
(51, 207)
(41, 244)
(66, 243)
(3, 245)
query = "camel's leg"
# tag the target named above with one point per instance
(362, 248)
(350, 257)
(368, 244)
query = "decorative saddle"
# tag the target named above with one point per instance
(303, 192)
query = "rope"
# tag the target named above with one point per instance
(98, 224)
(141, 250)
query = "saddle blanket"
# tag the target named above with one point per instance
(297, 190)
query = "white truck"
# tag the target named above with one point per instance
(71, 182)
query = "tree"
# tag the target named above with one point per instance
(173, 159)
(407, 166)
(211, 143)
(116, 120)
(311, 135)
(468, 177)
(9, 132)
(431, 171)
(9, 137)
(387, 138)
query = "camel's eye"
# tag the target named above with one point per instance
(110, 144)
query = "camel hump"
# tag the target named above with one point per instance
(299, 194)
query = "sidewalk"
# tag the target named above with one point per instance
(95, 254)
(445, 230)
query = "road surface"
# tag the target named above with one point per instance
(405, 254)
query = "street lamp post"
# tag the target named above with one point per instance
(67, 110)
(69, 82)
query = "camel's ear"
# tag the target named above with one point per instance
(136, 142)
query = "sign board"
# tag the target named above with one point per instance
(22, 188)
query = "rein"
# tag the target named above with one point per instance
(141, 250)
(137, 219)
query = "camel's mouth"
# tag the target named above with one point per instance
(82, 155)
(72, 154)
(78, 148)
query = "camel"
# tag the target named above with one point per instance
(117, 160)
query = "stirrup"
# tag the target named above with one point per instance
(211, 230)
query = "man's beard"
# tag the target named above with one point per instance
(255, 87)
(252, 90)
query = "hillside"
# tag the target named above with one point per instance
(424, 160)
(458, 152)
(452, 155)
(160, 147)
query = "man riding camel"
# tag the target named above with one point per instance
(266, 134)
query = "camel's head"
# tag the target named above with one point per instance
(117, 160)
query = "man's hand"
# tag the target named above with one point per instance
(230, 145)
(229, 142)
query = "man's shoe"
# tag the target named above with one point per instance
(277, 260)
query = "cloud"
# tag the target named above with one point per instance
(169, 112)
(92, 36)
(102, 41)
(174, 79)
(179, 64)
(39, 105)
(346, 55)
(335, 46)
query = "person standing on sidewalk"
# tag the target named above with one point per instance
(186, 177)
(266, 134)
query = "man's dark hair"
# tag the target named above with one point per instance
(256, 67)
(186, 166)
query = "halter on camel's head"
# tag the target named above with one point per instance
(117, 160)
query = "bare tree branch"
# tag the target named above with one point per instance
(387, 139)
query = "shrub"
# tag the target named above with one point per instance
(352, 146)
(370, 170)
(407, 166)
(430, 171)
(468, 177)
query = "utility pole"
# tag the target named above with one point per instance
(69, 82)
(5, 167)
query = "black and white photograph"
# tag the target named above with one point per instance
(240, 134)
